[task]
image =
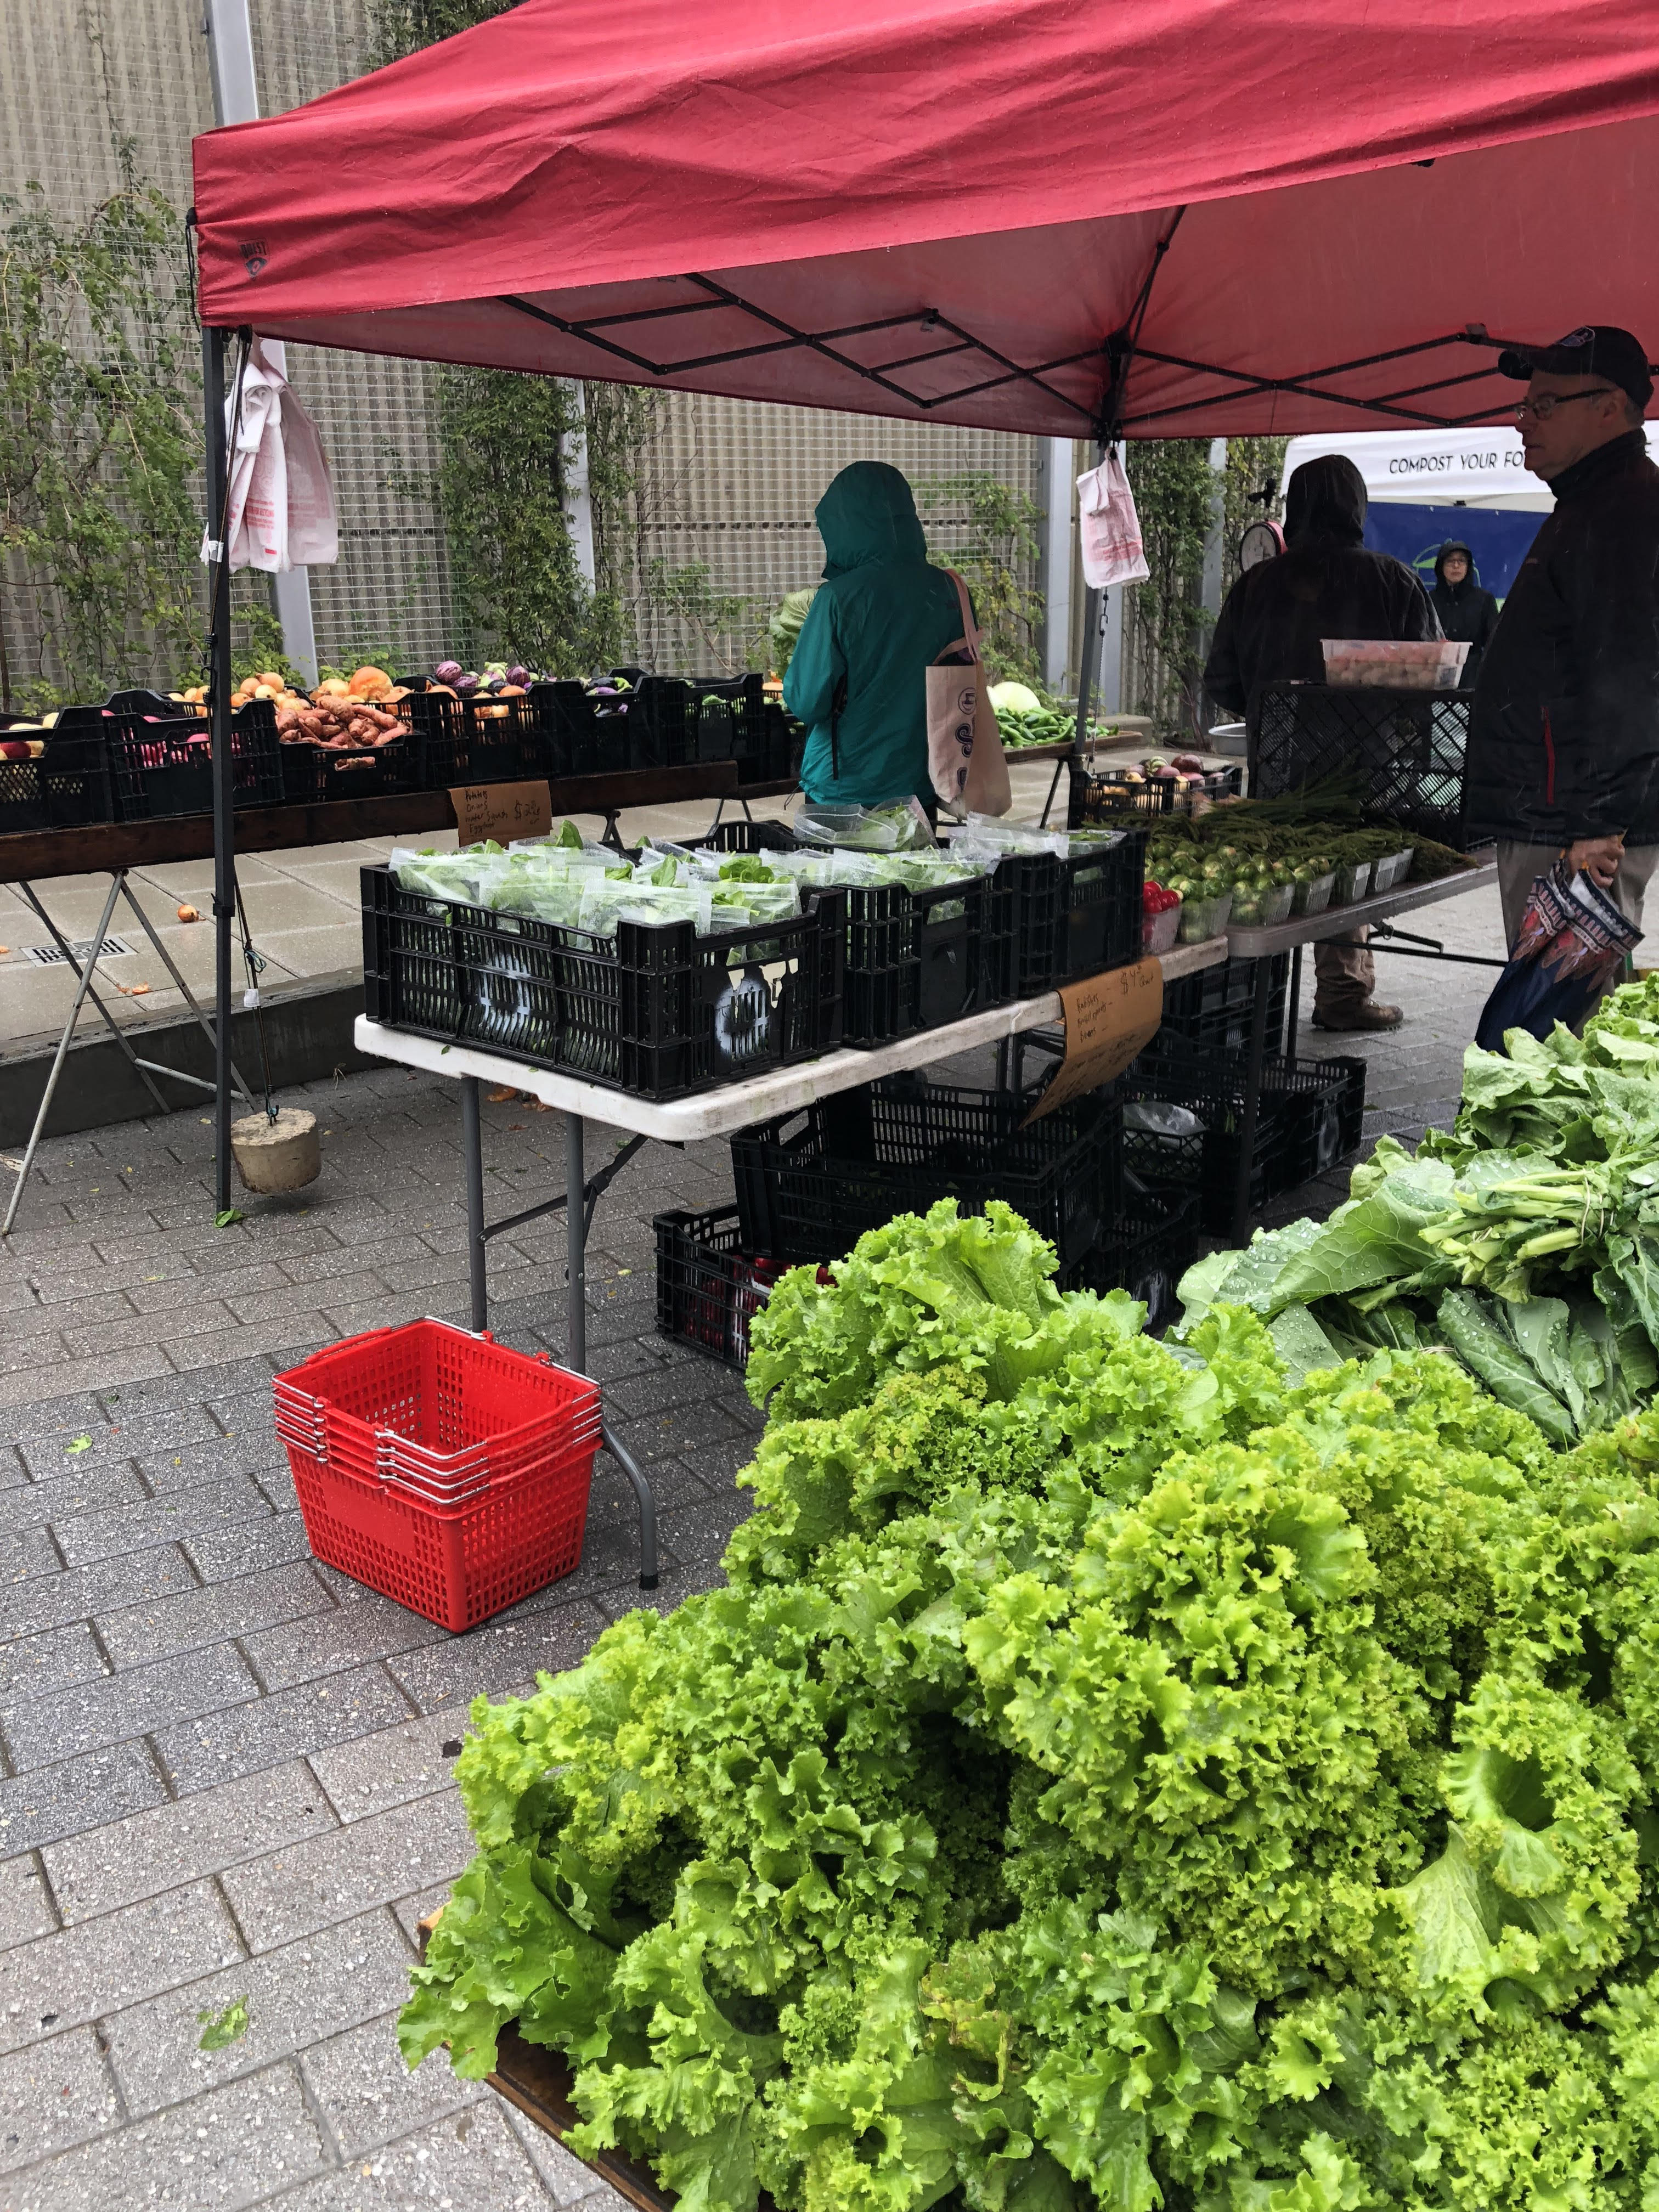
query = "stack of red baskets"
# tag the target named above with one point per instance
(441, 1468)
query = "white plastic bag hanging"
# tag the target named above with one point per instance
(281, 499)
(1112, 551)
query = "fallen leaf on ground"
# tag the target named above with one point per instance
(80, 1444)
(229, 1217)
(219, 2029)
(500, 1097)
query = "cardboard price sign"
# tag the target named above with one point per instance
(1109, 1019)
(501, 811)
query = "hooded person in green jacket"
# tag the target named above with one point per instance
(857, 676)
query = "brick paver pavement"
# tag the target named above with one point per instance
(226, 1768)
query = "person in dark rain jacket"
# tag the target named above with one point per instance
(1564, 727)
(1326, 583)
(1468, 614)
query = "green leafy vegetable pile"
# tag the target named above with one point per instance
(1526, 1239)
(1112, 1777)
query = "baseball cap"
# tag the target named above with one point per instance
(1593, 350)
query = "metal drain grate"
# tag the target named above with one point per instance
(51, 956)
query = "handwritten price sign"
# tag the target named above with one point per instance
(501, 811)
(1109, 1019)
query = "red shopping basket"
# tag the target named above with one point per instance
(441, 1468)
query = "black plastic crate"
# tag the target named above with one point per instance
(160, 768)
(1100, 893)
(581, 739)
(1146, 1250)
(313, 773)
(709, 1288)
(675, 720)
(1051, 922)
(912, 957)
(809, 1185)
(1100, 795)
(1213, 1008)
(478, 741)
(74, 776)
(659, 1012)
(1404, 750)
(1310, 1117)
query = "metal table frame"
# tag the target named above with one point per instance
(1261, 945)
(717, 1113)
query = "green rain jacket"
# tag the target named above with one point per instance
(881, 615)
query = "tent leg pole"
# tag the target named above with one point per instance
(224, 820)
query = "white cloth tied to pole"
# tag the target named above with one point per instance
(281, 497)
(1112, 551)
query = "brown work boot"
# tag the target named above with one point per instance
(1364, 1014)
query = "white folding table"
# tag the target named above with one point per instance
(717, 1113)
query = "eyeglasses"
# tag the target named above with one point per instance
(1545, 405)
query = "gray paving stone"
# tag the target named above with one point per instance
(77, 1794)
(295, 1997)
(362, 1626)
(566, 2180)
(27, 1552)
(370, 2096)
(126, 1528)
(197, 1616)
(182, 1840)
(245, 1454)
(312, 1884)
(26, 1906)
(249, 1547)
(199, 1753)
(84, 1973)
(34, 1666)
(389, 1768)
(78, 1593)
(472, 2160)
(488, 1660)
(84, 1485)
(232, 2147)
(51, 2095)
(287, 1342)
(131, 1702)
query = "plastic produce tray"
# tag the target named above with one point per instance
(1404, 749)
(708, 1287)
(1310, 1117)
(480, 740)
(1146, 1250)
(659, 1012)
(809, 1185)
(440, 1468)
(678, 721)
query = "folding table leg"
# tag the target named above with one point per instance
(24, 1172)
(472, 1154)
(575, 1216)
(140, 1067)
(1294, 1005)
(1252, 1104)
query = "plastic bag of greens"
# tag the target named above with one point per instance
(862, 828)
(604, 904)
(990, 830)
(466, 875)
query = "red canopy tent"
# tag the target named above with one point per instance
(948, 208)
(1159, 216)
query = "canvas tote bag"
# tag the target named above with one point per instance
(966, 763)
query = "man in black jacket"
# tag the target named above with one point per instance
(1563, 728)
(1326, 584)
(1467, 615)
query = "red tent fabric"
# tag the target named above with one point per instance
(946, 208)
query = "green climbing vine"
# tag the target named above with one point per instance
(987, 531)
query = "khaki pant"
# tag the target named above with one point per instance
(1346, 972)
